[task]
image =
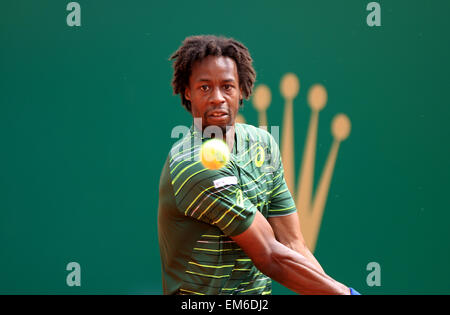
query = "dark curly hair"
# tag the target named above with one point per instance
(196, 48)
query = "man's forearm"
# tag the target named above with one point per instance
(299, 274)
(304, 251)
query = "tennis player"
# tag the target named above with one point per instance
(232, 230)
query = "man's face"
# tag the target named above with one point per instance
(214, 91)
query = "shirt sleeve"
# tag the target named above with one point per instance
(281, 201)
(212, 196)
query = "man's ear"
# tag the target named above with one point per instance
(187, 94)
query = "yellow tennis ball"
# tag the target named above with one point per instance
(214, 154)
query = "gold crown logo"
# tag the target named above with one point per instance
(310, 207)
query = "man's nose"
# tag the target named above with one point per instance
(217, 96)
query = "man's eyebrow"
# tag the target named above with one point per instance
(209, 80)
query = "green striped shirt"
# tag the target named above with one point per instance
(199, 209)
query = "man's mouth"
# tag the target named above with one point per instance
(217, 113)
(218, 117)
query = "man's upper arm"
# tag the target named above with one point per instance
(283, 216)
(257, 242)
(281, 201)
(287, 230)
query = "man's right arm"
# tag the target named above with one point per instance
(283, 264)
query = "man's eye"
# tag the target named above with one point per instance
(227, 87)
(204, 88)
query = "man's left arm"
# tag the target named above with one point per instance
(282, 215)
(287, 231)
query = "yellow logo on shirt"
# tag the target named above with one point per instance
(239, 198)
(259, 157)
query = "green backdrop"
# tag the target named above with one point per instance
(86, 115)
